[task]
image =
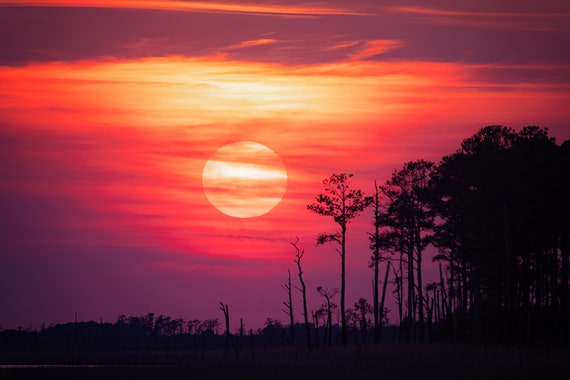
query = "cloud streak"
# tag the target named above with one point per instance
(369, 49)
(455, 13)
(529, 21)
(252, 43)
(193, 6)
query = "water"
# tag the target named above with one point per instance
(21, 366)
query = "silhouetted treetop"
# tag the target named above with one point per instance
(339, 200)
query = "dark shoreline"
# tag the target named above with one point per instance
(391, 361)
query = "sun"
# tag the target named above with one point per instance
(244, 179)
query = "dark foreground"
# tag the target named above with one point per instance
(370, 362)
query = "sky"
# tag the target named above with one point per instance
(110, 110)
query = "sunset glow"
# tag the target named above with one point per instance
(154, 149)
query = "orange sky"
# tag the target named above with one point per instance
(103, 141)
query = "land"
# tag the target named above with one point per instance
(386, 362)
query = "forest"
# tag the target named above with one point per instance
(496, 210)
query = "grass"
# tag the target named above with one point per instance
(384, 362)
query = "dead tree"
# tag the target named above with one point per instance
(289, 307)
(328, 307)
(241, 333)
(381, 313)
(298, 256)
(226, 311)
(375, 240)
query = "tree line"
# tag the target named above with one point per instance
(151, 332)
(498, 213)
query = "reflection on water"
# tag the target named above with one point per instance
(16, 366)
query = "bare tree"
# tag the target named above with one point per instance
(375, 245)
(343, 204)
(241, 332)
(381, 313)
(328, 307)
(289, 306)
(298, 256)
(226, 311)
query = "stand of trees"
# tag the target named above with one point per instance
(498, 213)
(503, 236)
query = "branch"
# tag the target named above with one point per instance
(300, 253)
(224, 308)
(326, 238)
(339, 252)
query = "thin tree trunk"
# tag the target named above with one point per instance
(241, 332)
(381, 315)
(289, 306)
(329, 326)
(377, 313)
(226, 311)
(421, 326)
(344, 333)
(410, 328)
(304, 293)
(401, 289)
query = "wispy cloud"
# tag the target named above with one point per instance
(252, 43)
(192, 6)
(533, 21)
(455, 13)
(369, 49)
(147, 45)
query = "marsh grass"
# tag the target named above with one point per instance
(392, 361)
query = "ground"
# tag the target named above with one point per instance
(384, 362)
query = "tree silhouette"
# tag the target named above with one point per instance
(504, 233)
(382, 312)
(362, 308)
(328, 306)
(226, 311)
(378, 241)
(411, 219)
(375, 245)
(343, 204)
(298, 256)
(289, 306)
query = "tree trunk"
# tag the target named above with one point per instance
(344, 333)
(400, 287)
(226, 311)
(241, 332)
(411, 304)
(305, 312)
(303, 292)
(381, 314)
(377, 312)
(421, 326)
(289, 305)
